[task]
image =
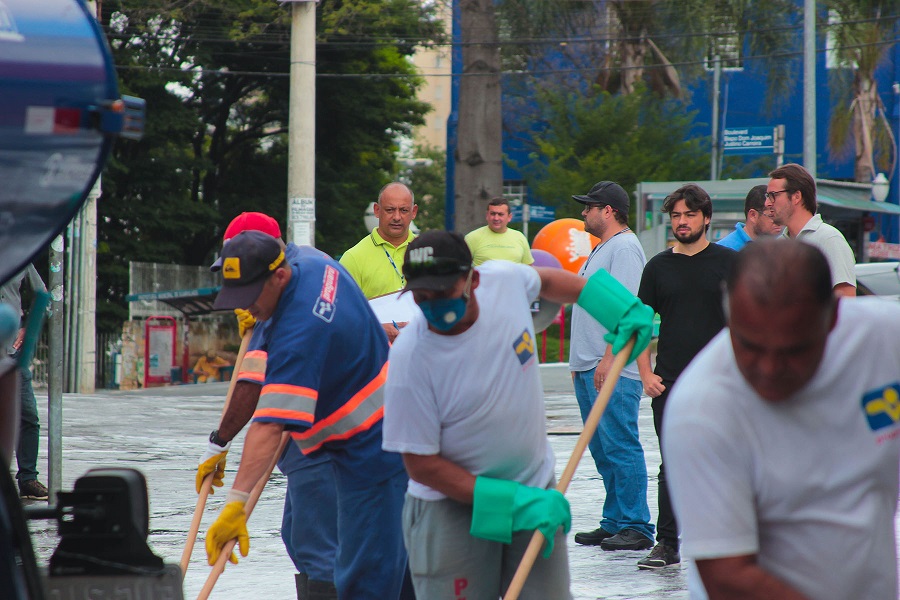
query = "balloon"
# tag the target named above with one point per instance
(546, 310)
(542, 258)
(567, 240)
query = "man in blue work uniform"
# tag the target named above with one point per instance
(325, 368)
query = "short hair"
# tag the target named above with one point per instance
(755, 200)
(412, 196)
(777, 271)
(499, 201)
(694, 196)
(798, 179)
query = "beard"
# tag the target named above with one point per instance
(690, 237)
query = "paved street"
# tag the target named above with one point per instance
(162, 432)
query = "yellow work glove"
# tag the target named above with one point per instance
(212, 461)
(245, 320)
(231, 524)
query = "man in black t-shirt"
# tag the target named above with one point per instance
(682, 284)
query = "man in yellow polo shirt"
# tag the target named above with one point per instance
(376, 262)
(496, 241)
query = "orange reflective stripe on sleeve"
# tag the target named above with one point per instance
(253, 367)
(287, 402)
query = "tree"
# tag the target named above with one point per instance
(428, 182)
(862, 32)
(627, 139)
(215, 75)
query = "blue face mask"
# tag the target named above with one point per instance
(444, 313)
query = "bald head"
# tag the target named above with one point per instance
(781, 311)
(777, 272)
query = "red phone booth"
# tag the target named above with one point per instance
(159, 350)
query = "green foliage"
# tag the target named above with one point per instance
(214, 74)
(627, 139)
(429, 183)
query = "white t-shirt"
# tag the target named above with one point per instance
(474, 398)
(834, 246)
(808, 484)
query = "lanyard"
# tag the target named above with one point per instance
(391, 260)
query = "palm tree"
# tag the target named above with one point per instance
(860, 35)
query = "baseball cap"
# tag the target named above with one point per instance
(248, 221)
(606, 192)
(252, 221)
(247, 261)
(435, 260)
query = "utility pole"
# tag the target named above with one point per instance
(55, 368)
(809, 86)
(714, 151)
(301, 208)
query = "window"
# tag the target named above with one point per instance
(726, 42)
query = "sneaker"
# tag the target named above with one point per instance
(33, 490)
(627, 539)
(661, 556)
(592, 538)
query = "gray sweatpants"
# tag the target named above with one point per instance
(447, 563)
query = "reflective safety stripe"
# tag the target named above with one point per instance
(253, 367)
(287, 402)
(359, 413)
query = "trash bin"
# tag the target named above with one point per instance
(176, 376)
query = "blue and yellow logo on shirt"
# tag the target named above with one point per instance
(524, 346)
(882, 407)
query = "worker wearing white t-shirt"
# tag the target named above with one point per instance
(464, 405)
(782, 437)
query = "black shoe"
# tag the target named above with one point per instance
(661, 556)
(592, 538)
(321, 590)
(33, 490)
(627, 539)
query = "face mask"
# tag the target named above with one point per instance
(444, 313)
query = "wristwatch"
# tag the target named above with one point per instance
(215, 439)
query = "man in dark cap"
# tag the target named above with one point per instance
(325, 368)
(616, 446)
(464, 405)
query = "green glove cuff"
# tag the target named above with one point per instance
(606, 299)
(492, 509)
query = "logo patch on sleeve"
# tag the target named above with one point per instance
(325, 303)
(882, 407)
(231, 267)
(524, 346)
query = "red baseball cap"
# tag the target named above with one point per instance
(248, 221)
(252, 221)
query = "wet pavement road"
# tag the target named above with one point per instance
(162, 432)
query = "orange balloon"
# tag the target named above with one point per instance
(567, 240)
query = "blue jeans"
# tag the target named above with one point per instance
(309, 524)
(29, 430)
(618, 454)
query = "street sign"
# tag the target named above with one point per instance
(536, 212)
(748, 140)
(541, 213)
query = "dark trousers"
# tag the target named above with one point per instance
(666, 526)
(29, 430)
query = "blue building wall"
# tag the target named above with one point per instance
(743, 104)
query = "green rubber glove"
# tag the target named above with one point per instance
(501, 507)
(619, 311)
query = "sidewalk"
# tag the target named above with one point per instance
(162, 432)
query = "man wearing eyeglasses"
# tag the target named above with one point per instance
(791, 201)
(784, 468)
(616, 446)
(758, 223)
(464, 406)
(376, 262)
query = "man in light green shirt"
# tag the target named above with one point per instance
(376, 262)
(496, 241)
